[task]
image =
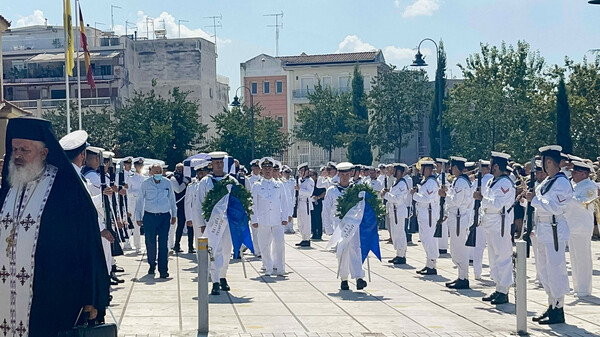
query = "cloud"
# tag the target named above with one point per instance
(420, 8)
(170, 24)
(399, 56)
(37, 18)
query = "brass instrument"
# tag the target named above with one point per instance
(594, 201)
(418, 164)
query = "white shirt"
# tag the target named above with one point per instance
(269, 203)
(580, 219)
(498, 193)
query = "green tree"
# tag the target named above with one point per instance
(151, 126)
(437, 106)
(99, 125)
(563, 118)
(359, 148)
(323, 122)
(234, 134)
(505, 103)
(395, 102)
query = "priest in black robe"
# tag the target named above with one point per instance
(66, 273)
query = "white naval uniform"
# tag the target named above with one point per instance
(499, 193)
(443, 241)
(190, 199)
(459, 204)
(222, 254)
(480, 240)
(95, 189)
(290, 185)
(305, 207)
(350, 260)
(374, 183)
(398, 199)
(581, 226)
(388, 182)
(134, 182)
(427, 196)
(269, 211)
(249, 182)
(177, 188)
(552, 198)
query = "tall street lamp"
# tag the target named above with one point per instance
(236, 103)
(420, 62)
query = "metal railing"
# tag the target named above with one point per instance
(55, 103)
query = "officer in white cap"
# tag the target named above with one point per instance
(459, 207)
(551, 200)
(221, 250)
(305, 188)
(580, 217)
(193, 219)
(253, 178)
(496, 199)
(134, 187)
(270, 217)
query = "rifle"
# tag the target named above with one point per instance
(118, 219)
(438, 226)
(413, 224)
(472, 239)
(530, 187)
(115, 247)
(123, 201)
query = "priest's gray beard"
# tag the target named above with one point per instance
(21, 175)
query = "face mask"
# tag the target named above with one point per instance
(158, 177)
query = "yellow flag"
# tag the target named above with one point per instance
(68, 23)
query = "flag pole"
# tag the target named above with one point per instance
(77, 60)
(67, 72)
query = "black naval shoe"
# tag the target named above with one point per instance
(116, 269)
(215, 289)
(116, 279)
(443, 251)
(500, 299)
(460, 284)
(400, 260)
(224, 285)
(555, 316)
(344, 285)
(543, 315)
(178, 249)
(191, 250)
(451, 283)
(361, 284)
(490, 297)
(422, 270)
(305, 243)
(151, 270)
(114, 283)
(299, 244)
(164, 275)
(429, 271)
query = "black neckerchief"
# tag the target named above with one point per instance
(214, 181)
(399, 180)
(342, 188)
(495, 180)
(550, 181)
(86, 169)
(431, 177)
(465, 177)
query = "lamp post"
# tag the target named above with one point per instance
(420, 62)
(236, 103)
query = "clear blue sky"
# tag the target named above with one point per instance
(557, 28)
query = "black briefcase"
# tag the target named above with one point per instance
(101, 330)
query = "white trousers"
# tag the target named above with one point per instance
(536, 254)
(477, 251)
(580, 253)
(500, 256)
(460, 252)
(255, 241)
(430, 244)
(554, 269)
(398, 235)
(304, 222)
(222, 255)
(107, 254)
(443, 241)
(272, 247)
(350, 260)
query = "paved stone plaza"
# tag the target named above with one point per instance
(308, 302)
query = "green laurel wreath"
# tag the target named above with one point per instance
(219, 190)
(350, 198)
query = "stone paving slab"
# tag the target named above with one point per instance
(308, 302)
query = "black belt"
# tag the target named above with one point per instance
(154, 214)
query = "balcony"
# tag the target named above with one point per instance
(37, 105)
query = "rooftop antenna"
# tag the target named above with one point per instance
(112, 17)
(179, 24)
(277, 25)
(216, 24)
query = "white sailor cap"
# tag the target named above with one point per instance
(277, 164)
(332, 164)
(286, 168)
(322, 168)
(94, 149)
(138, 160)
(267, 162)
(75, 141)
(580, 165)
(302, 165)
(381, 166)
(217, 155)
(389, 165)
(254, 162)
(470, 164)
(441, 160)
(201, 164)
(461, 159)
(484, 162)
(501, 155)
(550, 148)
(344, 166)
(369, 168)
(427, 162)
(128, 159)
(107, 155)
(574, 158)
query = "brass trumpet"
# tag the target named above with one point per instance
(586, 204)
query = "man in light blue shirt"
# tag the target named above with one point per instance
(155, 205)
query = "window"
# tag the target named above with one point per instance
(343, 82)
(278, 87)
(326, 81)
(280, 121)
(254, 88)
(266, 87)
(367, 82)
(306, 85)
(105, 70)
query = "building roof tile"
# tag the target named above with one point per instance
(304, 59)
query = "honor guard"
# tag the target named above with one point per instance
(305, 188)
(428, 212)
(496, 198)
(397, 206)
(194, 219)
(480, 240)
(459, 206)
(254, 177)
(580, 217)
(442, 168)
